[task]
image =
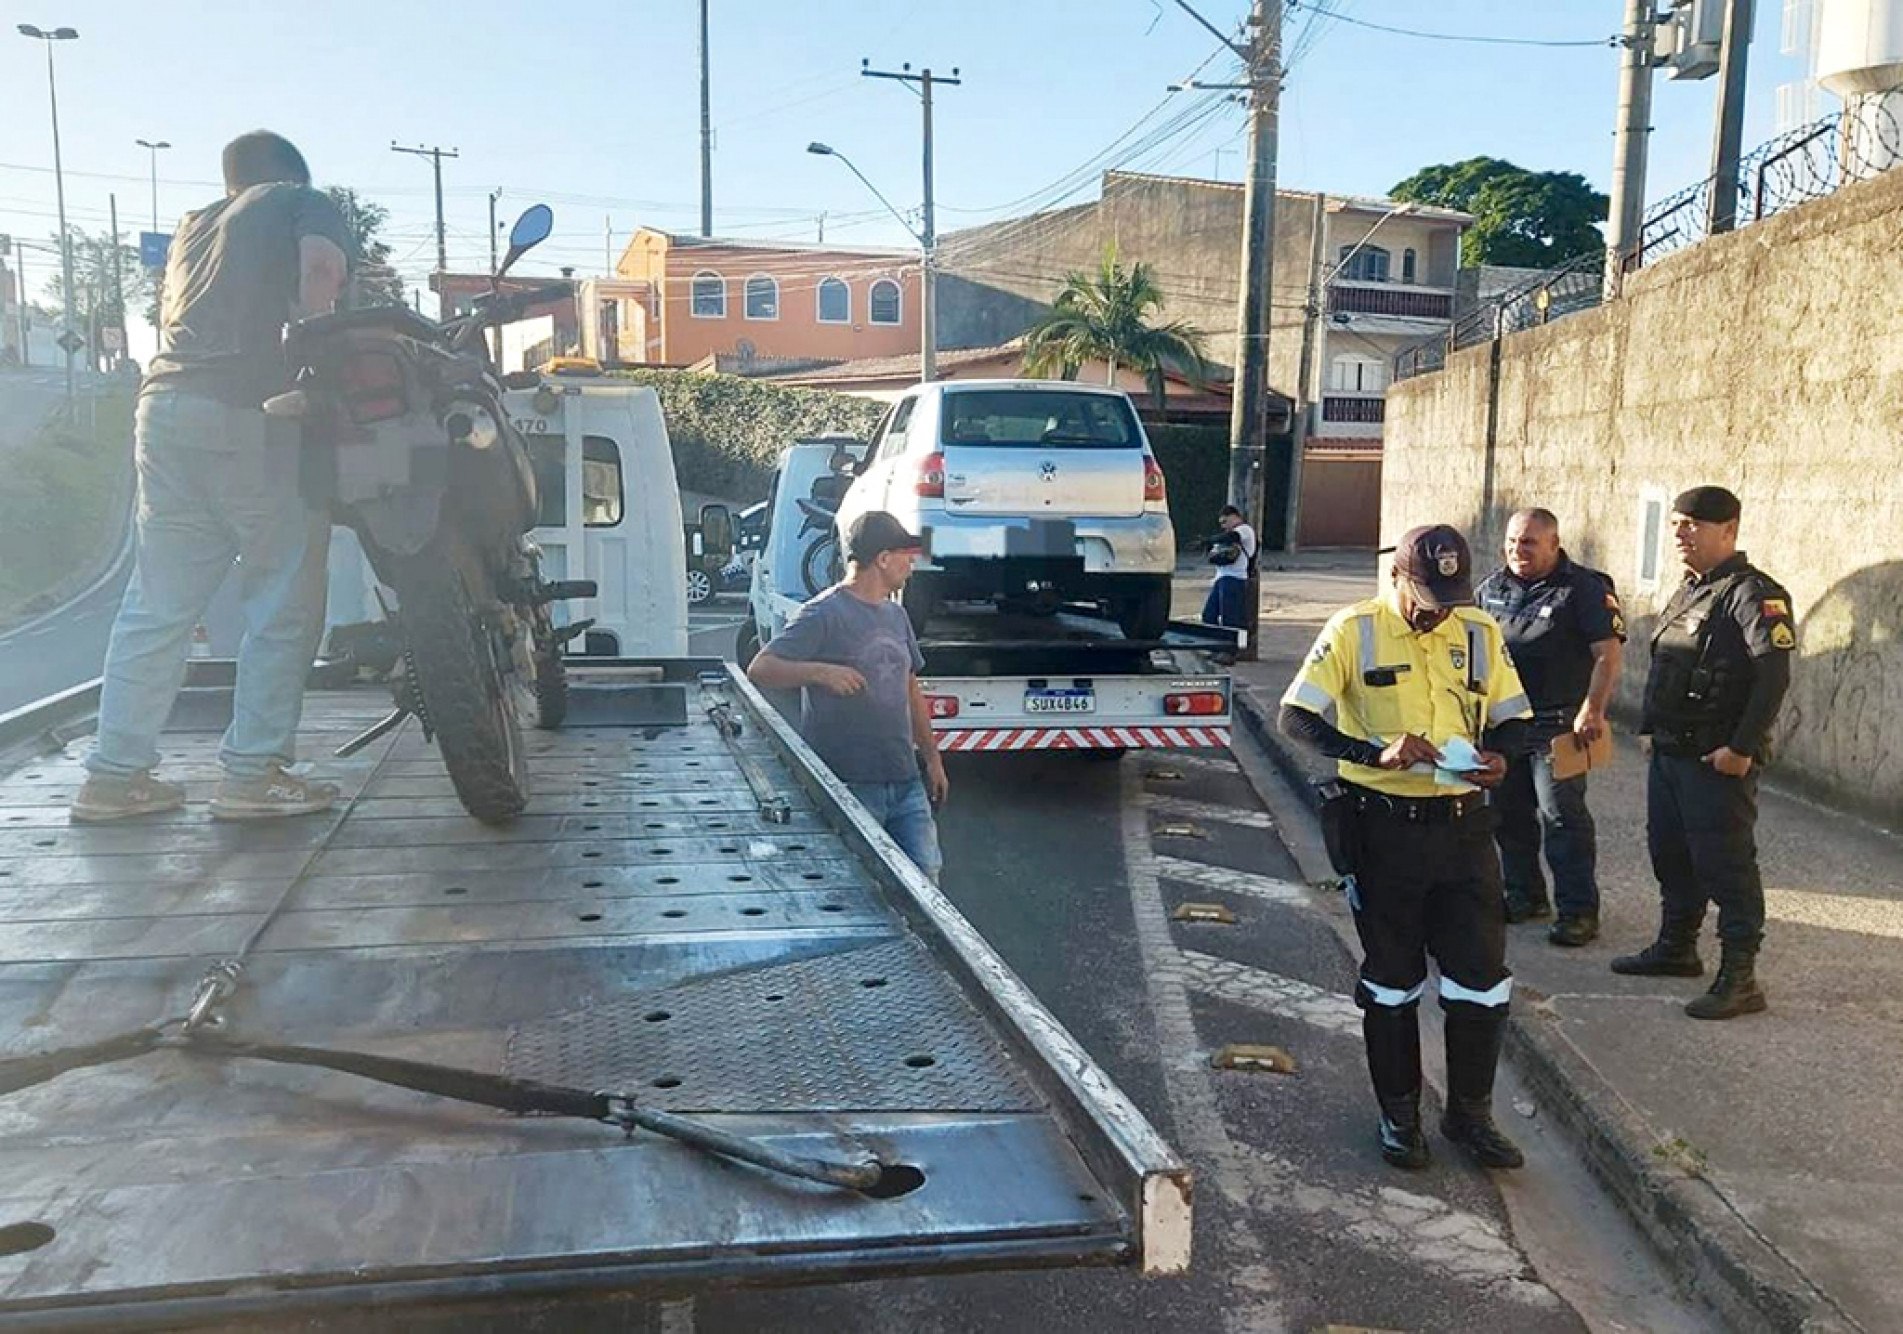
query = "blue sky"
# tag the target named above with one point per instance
(593, 105)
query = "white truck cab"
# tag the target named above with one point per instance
(610, 512)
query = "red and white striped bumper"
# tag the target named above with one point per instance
(1081, 738)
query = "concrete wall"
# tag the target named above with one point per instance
(1769, 361)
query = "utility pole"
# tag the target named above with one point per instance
(436, 156)
(1632, 141)
(1312, 310)
(1728, 138)
(706, 133)
(923, 81)
(26, 320)
(495, 197)
(118, 279)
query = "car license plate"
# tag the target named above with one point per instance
(1060, 701)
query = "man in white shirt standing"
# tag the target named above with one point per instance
(1232, 552)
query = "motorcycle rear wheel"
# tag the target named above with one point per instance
(465, 697)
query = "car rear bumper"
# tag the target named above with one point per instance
(1140, 544)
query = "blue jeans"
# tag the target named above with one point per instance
(905, 812)
(1227, 603)
(217, 484)
(1531, 803)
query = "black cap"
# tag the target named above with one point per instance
(1710, 504)
(1438, 567)
(876, 532)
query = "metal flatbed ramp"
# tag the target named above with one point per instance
(645, 929)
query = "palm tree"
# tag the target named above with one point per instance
(1106, 315)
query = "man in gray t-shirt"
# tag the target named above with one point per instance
(852, 654)
(218, 487)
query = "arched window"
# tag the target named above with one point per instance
(1368, 264)
(710, 296)
(835, 302)
(763, 298)
(1407, 265)
(883, 303)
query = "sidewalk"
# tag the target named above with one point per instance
(1758, 1154)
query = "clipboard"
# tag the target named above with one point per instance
(1571, 757)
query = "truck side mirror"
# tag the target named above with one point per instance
(716, 530)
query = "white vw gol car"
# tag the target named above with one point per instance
(1027, 493)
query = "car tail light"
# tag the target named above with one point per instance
(931, 477)
(1154, 490)
(372, 387)
(1195, 703)
(942, 706)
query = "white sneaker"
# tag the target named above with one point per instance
(272, 796)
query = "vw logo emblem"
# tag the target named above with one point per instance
(1048, 471)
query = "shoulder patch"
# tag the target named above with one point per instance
(1782, 636)
(1320, 651)
(1775, 607)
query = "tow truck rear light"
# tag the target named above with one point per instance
(942, 706)
(1195, 703)
(931, 477)
(1155, 492)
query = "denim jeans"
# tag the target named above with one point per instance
(1701, 829)
(217, 484)
(1531, 803)
(905, 812)
(1227, 603)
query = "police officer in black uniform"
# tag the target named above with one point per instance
(1565, 630)
(1721, 663)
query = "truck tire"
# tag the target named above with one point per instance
(1144, 614)
(468, 703)
(747, 644)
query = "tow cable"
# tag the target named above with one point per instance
(196, 1033)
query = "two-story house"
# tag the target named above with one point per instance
(691, 299)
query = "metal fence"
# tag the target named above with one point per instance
(1798, 166)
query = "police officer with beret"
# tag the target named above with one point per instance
(1721, 664)
(1566, 633)
(1428, 708)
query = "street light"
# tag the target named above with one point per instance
(59, 189)
(928, 335)
(154, 150)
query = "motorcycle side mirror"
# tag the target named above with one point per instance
(530, 230)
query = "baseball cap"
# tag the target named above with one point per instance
(876, 532)
(1438, 567)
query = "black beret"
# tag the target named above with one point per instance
(1711, 504)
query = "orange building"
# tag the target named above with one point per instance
(749, 301)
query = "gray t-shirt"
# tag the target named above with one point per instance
(864, 738)
(231, 281)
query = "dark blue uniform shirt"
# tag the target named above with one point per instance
(1551, 625)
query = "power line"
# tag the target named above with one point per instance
(1340, 17)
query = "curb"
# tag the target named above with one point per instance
(1703, 1243)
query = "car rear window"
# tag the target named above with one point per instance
(1046, 419)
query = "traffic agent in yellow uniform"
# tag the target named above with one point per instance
(1427, 709)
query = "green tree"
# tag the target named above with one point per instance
(375, 283)
(1107, 315)
(102, 293)
(1531, 219)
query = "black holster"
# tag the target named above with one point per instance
(1339, 817)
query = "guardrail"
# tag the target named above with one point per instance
(1809, 162)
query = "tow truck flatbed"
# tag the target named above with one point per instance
(703, 921)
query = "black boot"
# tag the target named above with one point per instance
(1735, 990)
(1393, 1038)
(1574, 929)
(1527, 907)
(1673, 954)
(1474, 1035)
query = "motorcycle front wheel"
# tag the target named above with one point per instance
(466, 699)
